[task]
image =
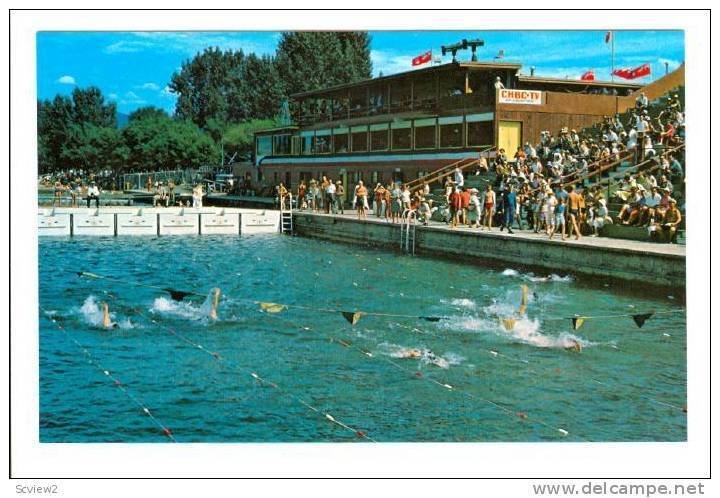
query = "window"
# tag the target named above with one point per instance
(378, 99)
(425, 134)
(400, 93)
(306, 138)
(296, 146)
(281, 144)
(341, 142)
(479, 129)
(379, 137)
(401, 135)
(323, 140)
(359, 138)
(451, 131)
(358, 101)
(264, 146)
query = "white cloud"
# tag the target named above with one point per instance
(167, 93)
(149, 86)
(131, 98)
(190, 43)
(113, 96)
(66, 80)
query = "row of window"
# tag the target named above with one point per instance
(421, 134)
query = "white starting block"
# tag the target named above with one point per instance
(140, 222)
(184, 222)
(221, 223)
(93, 222)
(53, 223)
(260, 222)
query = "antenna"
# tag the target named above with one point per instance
(474, 44)
(461, 45)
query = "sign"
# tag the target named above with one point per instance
(525, 97)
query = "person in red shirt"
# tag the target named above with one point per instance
(455, 200)
(464, 203)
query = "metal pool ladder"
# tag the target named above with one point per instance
(407, 231)
(286, 220)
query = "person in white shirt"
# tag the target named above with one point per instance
(550, 203)
(498, 83)
(459, 178)
(93, 193)
(330, 191)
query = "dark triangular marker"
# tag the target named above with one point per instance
(352, 317)
(641, 318)
(177, 295)
(431, 318)
(577, 322)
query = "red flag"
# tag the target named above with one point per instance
(631, 74)
(588, 75)
(608, 36)
(422, 59)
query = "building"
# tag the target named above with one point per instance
(401, 126)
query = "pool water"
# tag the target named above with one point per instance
(480, 383)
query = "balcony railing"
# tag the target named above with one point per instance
(429, 104)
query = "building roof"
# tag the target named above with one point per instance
(442, 67)
(567, 81)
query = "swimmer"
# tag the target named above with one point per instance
(216, 300)
(574, 346)
(523, 300)
(410, 353)
(436, 360)
(106, 323)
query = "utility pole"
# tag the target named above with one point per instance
(612, 56)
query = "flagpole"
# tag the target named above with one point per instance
(612, 56)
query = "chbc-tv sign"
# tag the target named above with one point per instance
(525, 97)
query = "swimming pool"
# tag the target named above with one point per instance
(195, 377)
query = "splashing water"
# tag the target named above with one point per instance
(92, 315)
(183, 309)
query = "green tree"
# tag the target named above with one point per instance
(238, 139)
(89, 107)
(146, 112)
(54, 118)
(159, 142)
(310, 60)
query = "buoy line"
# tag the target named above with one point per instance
(116, 382)
(217, 356)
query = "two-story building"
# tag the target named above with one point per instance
(401, 126)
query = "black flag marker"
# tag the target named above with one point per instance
(177, 295)
(641, 318)
(430, 318)
(577, 322)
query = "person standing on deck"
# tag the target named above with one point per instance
(388, 201)
(323, 194)
(510, 205)
(379, 200)
(455, 206)
(361, 194)
(575, 202)
(330, 194)
(340, 196)
(197, 195)
(301, 195)
(405, 197)
(488, 207)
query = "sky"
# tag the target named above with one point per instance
(133, 69)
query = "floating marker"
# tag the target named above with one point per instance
(272, 307)
(448, 386)
(418, 374)
(329, 417)
(167, 432)
(352, 316)
(106, 372)
(146, 410)
(494, 353)
(666, 335)
(255, 375)
(563, 432)
(522, 415)
(577, 322)
(360, 434)
(641, 318)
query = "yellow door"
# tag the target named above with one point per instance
(509, 137)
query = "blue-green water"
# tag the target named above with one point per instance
(627, 384)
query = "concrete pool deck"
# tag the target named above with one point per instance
(628, 260)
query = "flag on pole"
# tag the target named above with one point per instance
(633, 73)
(588, 75)
(608, 36)
(422, 58)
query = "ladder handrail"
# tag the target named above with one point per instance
(439, 173)
(407, 216)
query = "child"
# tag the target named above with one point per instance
(559, 220)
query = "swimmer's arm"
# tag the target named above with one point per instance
(106, 316)
(216, 300)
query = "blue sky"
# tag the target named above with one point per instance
(134, 68)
